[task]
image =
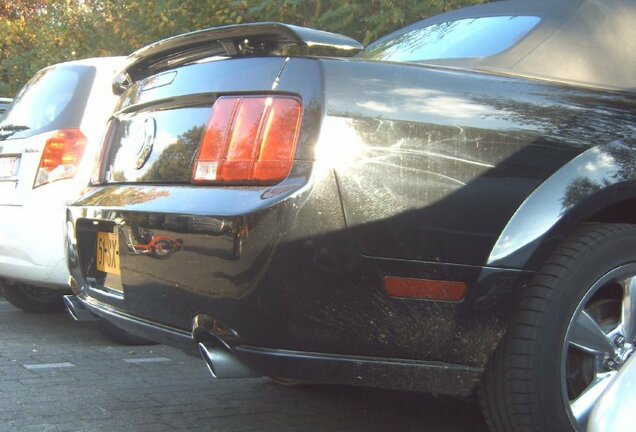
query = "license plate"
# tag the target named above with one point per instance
(8, 166)
(108, 252)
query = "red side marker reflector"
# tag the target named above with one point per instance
(424, 289)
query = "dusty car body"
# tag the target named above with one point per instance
(405, 241)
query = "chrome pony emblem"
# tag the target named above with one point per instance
(144, 138)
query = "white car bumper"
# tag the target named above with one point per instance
(32, 248)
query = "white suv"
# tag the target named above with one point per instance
(49, 140)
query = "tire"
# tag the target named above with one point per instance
(35, 299)
(163, 249)
(121, 336)
(557, 350)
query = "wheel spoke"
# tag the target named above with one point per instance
(583, 405)
(588, 336)
(628, 312)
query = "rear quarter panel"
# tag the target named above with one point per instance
(432, 164)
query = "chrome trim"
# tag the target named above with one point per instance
(614, 410)
(76, 309)
(223, 364)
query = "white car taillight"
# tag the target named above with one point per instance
(61, 156)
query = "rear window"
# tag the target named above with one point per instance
(465, 38)
(54, 98)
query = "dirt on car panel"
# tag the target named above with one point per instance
(391, 328)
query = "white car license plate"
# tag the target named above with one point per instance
(8, 166)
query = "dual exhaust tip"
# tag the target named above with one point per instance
(215, 345)
(76, 309)
(223, 364)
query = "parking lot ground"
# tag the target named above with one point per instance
(57, 375)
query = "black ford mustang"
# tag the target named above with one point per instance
(449, 210)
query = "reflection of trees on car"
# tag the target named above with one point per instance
(619, 157)
(126, 195)
(570, 120)
(174, 161)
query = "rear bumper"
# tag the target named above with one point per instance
(280, 286)
(85, 308)
(312, 367)
(32, 245)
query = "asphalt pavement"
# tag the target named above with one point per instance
(58, 375)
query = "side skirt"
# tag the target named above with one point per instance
(398, 374)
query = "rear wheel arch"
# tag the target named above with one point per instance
(599, 185)
(607, 207)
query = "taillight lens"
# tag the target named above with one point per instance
(61, 156)
(249, 139)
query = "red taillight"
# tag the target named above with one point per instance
(61, 156)
(249, 139)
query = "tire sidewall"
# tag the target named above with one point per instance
(574, 284)
(20, 296)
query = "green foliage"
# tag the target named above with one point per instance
(37, 33)
(14, 9)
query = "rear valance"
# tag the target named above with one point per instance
(258, 39)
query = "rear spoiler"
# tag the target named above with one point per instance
(258, 39)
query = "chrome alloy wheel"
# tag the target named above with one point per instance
(601, 336)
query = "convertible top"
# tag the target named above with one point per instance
(585, 42)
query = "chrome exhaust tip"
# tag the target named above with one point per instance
(223, 364)
(77, 310)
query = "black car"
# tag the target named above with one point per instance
(449, 210)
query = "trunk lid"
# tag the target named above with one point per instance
(155, 137)
(169, 89)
